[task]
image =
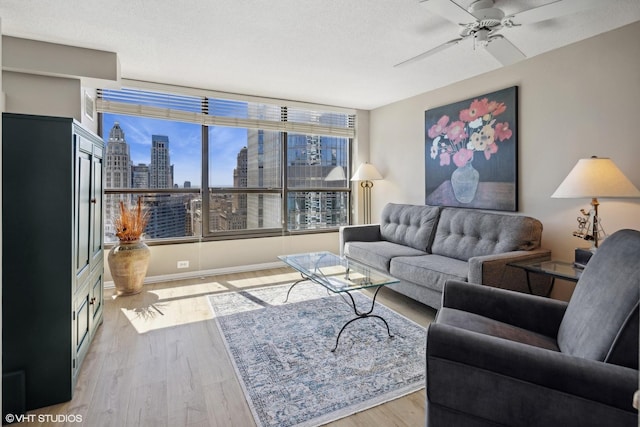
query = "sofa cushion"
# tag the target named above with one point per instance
(431, 271)
(465, 233)
(590, 328)
(486, 326)
(409, 225)
(378, 254)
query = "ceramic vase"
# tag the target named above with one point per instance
(128, 263)
(464, 181)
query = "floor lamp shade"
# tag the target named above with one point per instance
(366, 174)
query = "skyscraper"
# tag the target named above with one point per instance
(240, 181)
(140, 176)
(117, 159)
(167, 212)
(160, 175)
(117, 174)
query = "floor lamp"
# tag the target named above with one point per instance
(589, 179)
(366, 174)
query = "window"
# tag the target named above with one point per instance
(245, 179)
(266, 168)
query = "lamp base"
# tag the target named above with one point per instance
(582, 257)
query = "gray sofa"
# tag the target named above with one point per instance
(424, 246)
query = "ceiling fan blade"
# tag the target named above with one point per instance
(449, 11)
(504, 51)
(430, 52)
(553, 10)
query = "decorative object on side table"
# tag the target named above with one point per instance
(129, 259)
(593, 178)
(471, 152)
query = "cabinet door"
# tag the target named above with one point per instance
(81, 327)
(83, 207)
(97, 230)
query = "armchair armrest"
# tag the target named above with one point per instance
(515, 381)
(358, 233)
(531, 312)
(492, 270)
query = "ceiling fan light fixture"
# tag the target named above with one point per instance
(481, 37)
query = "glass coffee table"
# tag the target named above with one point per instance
(341, 276)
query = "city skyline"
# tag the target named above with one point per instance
(185, 147)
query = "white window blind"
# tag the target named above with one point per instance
(226, 112)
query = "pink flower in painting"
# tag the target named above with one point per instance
(475, 110)
(502, 131)
(439, 128)
(456, 132)
(498, 108)
(476, 130)
(445, 159)
(462, 157)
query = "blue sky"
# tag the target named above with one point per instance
(184, 146)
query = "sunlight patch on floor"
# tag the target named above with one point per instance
(166, 308)
(264, 280)
(190, 290)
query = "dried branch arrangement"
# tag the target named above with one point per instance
(131, 222)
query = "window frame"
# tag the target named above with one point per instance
(285, 127)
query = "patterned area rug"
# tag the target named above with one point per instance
(282, 354)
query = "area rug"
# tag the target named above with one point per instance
(282, 354)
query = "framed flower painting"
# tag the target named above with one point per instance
(471, 152)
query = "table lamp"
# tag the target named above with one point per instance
(596, 177)
(366, 173)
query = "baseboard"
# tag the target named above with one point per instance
(201, 273)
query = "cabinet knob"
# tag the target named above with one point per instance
(94, 201)
(92, 301)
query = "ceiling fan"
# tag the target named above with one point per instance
(482, 21)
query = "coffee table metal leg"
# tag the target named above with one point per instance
(362, 315)
(303, 279)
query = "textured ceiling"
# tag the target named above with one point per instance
(335, 52)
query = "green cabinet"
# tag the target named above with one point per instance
(52, 260)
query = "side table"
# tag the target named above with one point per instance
(554, 269)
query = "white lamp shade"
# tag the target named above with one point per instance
(597, 177)
(336, 174)
(366, 172)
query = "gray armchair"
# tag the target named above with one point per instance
(502, 358)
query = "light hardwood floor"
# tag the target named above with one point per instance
(159, 360)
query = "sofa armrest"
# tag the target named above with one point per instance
(492, 270)
(520, 384)
(531, 312)
(358, 233)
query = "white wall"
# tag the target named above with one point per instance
(231, 255)
(42, 95)
(574, 102)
